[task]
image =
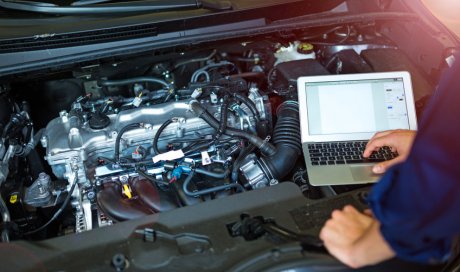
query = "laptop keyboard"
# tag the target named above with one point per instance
(336, 153)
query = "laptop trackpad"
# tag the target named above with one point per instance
(363, 173)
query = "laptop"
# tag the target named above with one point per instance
(340, 113)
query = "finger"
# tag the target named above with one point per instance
(328, 230)
(377, 143)
(382, 167)
(350, 209)
(331, 233)
(342, 219)
(369, 212)
(337, 215)
(356, 216)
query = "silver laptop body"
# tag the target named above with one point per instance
(339, 113)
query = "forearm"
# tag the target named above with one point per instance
(354, 238)
(371, 248)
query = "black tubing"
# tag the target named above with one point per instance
(223, 119)
(287, 129)
(209, 190)
(286, 137)
(265, 147)
(185, 199)
(287, 234)
(128, 81)
(6, 129)
(211, 174)
(151, 179)
(23, 151)
(157, 135)
(118, 139)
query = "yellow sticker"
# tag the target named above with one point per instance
(13, 199)
(127, 191)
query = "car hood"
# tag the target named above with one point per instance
(34, 41)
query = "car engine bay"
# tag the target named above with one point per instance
(87, 146)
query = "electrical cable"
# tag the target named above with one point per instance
(157, 135)
(273, 228)
(264, 146)
(190, 149)
(250, 104)
(195, 60)
(198, 72)
(109, 83)
(151, 179)
(118, 139)
(223, 121)
(209, 190)
(211, 174)
(61, 209)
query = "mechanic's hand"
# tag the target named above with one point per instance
(354, 238)
(398, 140)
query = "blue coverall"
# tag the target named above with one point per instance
(418, 201)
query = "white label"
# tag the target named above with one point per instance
(169, 156)
(205, 159)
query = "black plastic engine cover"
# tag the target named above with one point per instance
(288, 72)
(388, 60)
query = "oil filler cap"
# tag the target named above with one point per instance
(99, 121)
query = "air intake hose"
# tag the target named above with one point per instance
(265, 147)
(277, 160)
(286, 137)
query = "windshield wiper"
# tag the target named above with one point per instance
(88, 2)
(110, 6)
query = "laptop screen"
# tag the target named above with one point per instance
(354, 106)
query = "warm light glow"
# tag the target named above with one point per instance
(447, 12)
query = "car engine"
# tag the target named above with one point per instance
(113, 140)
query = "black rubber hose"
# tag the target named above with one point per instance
(287, 129)
(209, 190)
(223, 121)
(223, 118)
(286, 137)
(265, 147)
(151, 179)
(118, 139)
(191, 148)
(157, 135)
(211, 173)
(276, 229)
(23, 151)
(109, 83)
(6, 129)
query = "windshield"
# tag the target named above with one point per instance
(447, 12)
(110, 7)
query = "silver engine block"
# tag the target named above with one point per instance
(69, 141)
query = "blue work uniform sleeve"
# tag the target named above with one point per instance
(418, 201)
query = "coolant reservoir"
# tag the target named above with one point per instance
(295, 51)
